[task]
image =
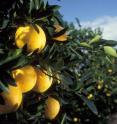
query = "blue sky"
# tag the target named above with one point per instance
(91, 13)
(86, 10)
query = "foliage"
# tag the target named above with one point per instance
(87, 88)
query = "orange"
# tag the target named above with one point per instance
(43, 81)
(52, 108)
(27, 35)
(12, 99)
(25, 77)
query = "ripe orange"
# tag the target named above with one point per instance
(43, 81)
(25, 77)
(27, 35)
(52, 108)
(12, 98)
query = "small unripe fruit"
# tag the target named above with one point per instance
(84, 44)
(95, 39)
(110, 51)
(90, 96)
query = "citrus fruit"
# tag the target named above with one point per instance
(95, 39)
(12, 99)
(34, 39)
(108, 94)
(56, 78)
(84, 44)
(44, 81)
(52, 108)
(75, 119)
(110, 51)
(90, 96)
(25, 77)
(110, 70)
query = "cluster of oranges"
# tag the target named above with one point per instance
(28, 77)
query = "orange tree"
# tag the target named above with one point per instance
(50, 71)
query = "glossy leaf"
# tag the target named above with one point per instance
(90, 104)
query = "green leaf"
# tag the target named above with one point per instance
(21, 1)
(77, 86)
(87, 75)
(37, 4)
(108, 59)
(90, 104)
(58, 17)
(32, 6)
(114, 91)
(108, 42)
(59, 64)
(33, 117)
(20, 62)
(36, 28)
(54, 7)
(63, 119)
(12, 54)
(3, 87)
(1, 51)
(50, 31)
(2, 101)
(5, 23)
(7, 78)
(66, 79)
(77, 54)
